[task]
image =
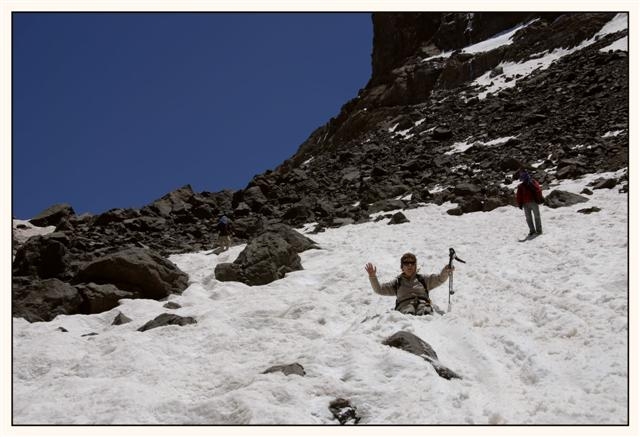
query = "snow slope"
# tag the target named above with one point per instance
(501, 39)
(538, 330)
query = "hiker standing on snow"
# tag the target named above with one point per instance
(528, 196)
(410, 288)
(225, 229)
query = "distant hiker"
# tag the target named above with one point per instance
(528, 196)
(410, 288)
(225, 229)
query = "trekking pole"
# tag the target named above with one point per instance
(452, 256)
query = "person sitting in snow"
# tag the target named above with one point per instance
(410, 288)
(225, 229)
(528, 196)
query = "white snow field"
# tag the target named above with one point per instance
(538, 331)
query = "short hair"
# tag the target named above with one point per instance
(408, 257)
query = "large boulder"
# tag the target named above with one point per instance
(116, 215)
(471, 204)
(298, 214)
(268, 257)
(255, 198)
(174, 202)
(413, 344)
(42, 301)
(229, 272)
(98, 298)
(245, 227)
(265, 259)
(559, 199)
(299, 242)
(605, 183)
(44, 256)
(53, 215)
(466, 189)
(140, 271)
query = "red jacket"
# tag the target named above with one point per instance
(526, 195)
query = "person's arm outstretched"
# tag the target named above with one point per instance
(385, 289)
(438, 279)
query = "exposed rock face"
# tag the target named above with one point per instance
(98, 298)
(42, 256)
(53, 215)
(167, 319)
(44, 300)
(399, 36)
(403, 85)
(44, 287)
(298, 242)
(266, 258)
(139, 271)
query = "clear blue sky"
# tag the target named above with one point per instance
(114, 110)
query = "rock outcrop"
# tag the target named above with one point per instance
(139, 271)
(413, 344)
(167, 319)
(44, 286)
(266, 258)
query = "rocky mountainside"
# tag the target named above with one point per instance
(441, 119)
(395, 137)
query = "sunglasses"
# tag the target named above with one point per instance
(408, 263)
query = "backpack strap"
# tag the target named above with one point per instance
(423, 282)
(396, 284)
(537, 195)
(421, 279)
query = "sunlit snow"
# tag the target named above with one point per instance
(538, 331)
(25, 230)
(620, 44)
(499, 40)
(462, 146)
(614, 133)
